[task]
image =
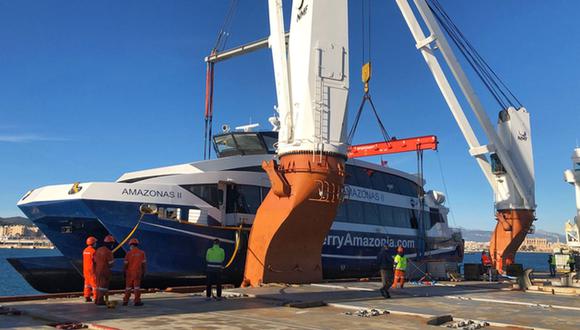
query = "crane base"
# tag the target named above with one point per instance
(510, 231)
(288, 232)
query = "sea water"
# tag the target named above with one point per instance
(11, 283)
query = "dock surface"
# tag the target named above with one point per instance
(268, 308)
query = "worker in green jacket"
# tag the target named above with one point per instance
(214, 258)
(552, 265)
(571, 263)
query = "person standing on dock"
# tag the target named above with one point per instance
(134, 268)
(103, 262)
(90, 288)
(571, 263)
(552, 264)
(400, 267)
(385, 261)
(214, 258)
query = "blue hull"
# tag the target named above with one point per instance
(176, 249)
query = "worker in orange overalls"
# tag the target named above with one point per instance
(88, 270)
(135, 262)
(400, 262)
(103, 262)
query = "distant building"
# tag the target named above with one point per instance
(13, 231)
(17, 231)
(536, 244)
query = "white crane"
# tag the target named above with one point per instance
(573, 177)
(506, 160)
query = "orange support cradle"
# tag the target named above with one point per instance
(288, 232)
(510, 231)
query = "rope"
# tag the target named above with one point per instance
(130, 233)
(445, 188)
(236, 248)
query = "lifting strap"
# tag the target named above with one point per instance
(366, 76)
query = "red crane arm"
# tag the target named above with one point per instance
(393, 146)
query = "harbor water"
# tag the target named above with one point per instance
(13, 284)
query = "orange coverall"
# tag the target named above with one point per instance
(134, 267)
(103, 260)
(89, 273)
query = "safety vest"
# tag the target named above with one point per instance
(553, 260)
(215, 256)
(401, 262)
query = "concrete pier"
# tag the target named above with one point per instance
(315, 306)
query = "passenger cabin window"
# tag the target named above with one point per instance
(244, 198)
(353, 211)
(169, 213)
(208, 192)
(371, 179)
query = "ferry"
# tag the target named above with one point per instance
(177, 211)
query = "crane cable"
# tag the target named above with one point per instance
(366, 75)
(495, 85)
(220, 43)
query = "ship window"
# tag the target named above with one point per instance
(391, 183)
(355, 212)
(414, 219)
(577, 167)
(407, 187)
(249, 144)
(265, 191)
(249, 169)
(350, 177)
(208, 192)
(401, 217)
(386, 214)
(225, 144)
(372, 216)
(363, 176)
(341, 213)
(270, 142)
(169, 213)
(435, 216)
(243, 199)
(378, 181)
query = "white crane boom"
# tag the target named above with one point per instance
(520, 174)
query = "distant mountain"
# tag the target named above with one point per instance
(15, 221)
(477, 235)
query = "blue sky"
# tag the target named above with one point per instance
(92, 89)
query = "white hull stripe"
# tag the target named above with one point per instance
(342, 256)
(190, 233)
(427, 253)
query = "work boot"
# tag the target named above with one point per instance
(387, 294)
(88, 299)
(139, 304)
